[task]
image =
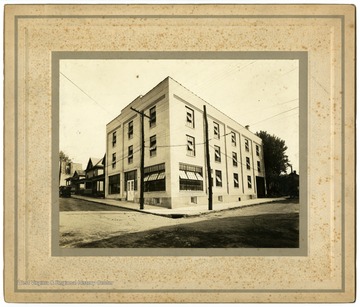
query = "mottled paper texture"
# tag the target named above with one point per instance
(324, 274)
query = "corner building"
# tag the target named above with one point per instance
(175, 160)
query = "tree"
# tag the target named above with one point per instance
(64, 157)
(275, 159)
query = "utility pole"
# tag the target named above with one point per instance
(142, 152)
(208, 160)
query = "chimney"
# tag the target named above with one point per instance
(247, 127)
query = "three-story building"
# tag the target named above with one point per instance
(175, 156)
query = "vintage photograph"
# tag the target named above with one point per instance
(179, 153)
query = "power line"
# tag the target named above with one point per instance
(273, 116)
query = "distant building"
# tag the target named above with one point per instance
(95, 177)
(77, 182)
(66, 169)
(175, 164)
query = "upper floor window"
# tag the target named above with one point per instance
(249, 182)
(130, 154)
(216, 131)
(114, 138)
(246, 144)
(152, 116)
(236, 180)
(248, 163)
(217, 154)
(130, 129)
(153, 146)
(257, 150)
(218, 178)
(233, 138)
(113, 162)
(190, 118)
(258, 166)
(234, 158)
(190, 145)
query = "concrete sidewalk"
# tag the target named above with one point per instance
(195, 210)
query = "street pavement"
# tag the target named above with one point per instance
(229, 228)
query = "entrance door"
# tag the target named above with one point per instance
(130, 190)
(260, 186)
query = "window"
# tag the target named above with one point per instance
(114, 139)
(190, 145)
(248, 163)
(132, 175)
(153, 146)
(236, 180)
(113, 162)
(249, 182)
(114, 184)
(217, 154)
(246, 144)
(259, 166)
(190, 118)
(130, 130)
(152, 115)
(130, 154)
(233, 138)
(234, 158)
(216, 131)
(218, 178)
(257, 150)
(190, 177)
(154, 179)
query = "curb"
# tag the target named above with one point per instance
(179, 215)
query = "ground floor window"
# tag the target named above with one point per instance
(154, 178)
(114, 184)
(191, 177)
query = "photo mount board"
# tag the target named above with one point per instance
(34, 34)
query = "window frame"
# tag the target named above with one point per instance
(247, 145)
(233, 138)
(114, 138)
(217, 149)
(130, 155)
(190, 124)
(111, 184)
(216, 127)
(234, 159)
(236, 177)
(218, 174)
(248, 163)
(249, 181)
(152, 115)
(113, 161)
(258, 166)
(152, 151)
(257, 149)
(191, 153)
(130, 132)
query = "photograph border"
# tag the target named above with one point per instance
(11, 147)
(301, 56)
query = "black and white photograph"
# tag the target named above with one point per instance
(179, 153)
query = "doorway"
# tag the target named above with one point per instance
(130, 190)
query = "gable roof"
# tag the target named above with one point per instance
(100, 162)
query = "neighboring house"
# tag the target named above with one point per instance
(77, 182)
(66, 170)
(175, 164)
(95, 177)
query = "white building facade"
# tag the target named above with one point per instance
(175, 159)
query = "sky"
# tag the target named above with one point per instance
(263, 94)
